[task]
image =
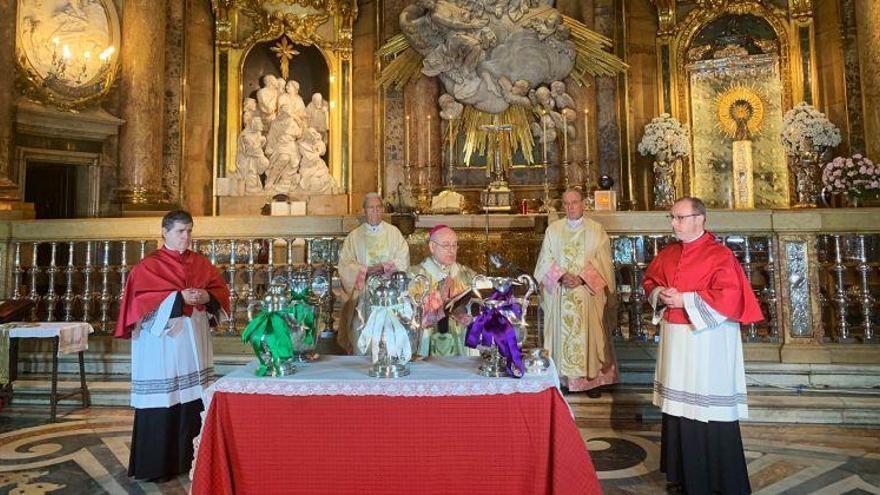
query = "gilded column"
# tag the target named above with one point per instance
(868, 35)
(141, 88)
(8, 190)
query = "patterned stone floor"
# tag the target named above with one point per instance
(86, 452)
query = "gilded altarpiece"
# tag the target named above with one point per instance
(716, 86)
(743, 54)
(244, 26)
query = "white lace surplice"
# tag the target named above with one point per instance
(172, 359)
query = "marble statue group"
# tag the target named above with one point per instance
(281, 148)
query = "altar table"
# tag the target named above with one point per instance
(332, 429)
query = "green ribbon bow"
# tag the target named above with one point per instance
(270, 328)
(273, 329)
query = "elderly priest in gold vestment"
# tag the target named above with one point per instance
(375, 247)
(577, 276)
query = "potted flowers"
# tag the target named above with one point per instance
(856, 177)
(667, 140)
(806, 136)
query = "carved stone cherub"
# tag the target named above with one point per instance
(561, 99)
(449, 108)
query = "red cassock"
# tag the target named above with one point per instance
(710, 269)
(162, 272)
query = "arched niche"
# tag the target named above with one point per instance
(739, 51)
(320, 30)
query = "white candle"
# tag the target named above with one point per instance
(586, 134)
(564, 137)
(544, 134)
(406, 141)
(428, 139)
(450, 146)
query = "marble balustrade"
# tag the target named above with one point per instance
(816, 273)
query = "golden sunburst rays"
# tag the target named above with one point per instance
(741, 108)
(480, 142)
(405, 66)
(592, 53)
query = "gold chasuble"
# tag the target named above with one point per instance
(451, 343)
(364, 247)
(576, 325)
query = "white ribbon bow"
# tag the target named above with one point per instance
(385, 320)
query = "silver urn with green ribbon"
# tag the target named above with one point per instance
(283, 326)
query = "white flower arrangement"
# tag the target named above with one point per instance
(807, 130)
(665, 139)
(856, 175)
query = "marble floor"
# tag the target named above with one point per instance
(86, 452)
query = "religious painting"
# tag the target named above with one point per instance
(67, 49)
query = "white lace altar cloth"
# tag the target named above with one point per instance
(347, 375)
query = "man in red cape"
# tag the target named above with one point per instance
(700, 296)
(171, 298)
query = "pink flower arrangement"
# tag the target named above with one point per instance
(855, 175)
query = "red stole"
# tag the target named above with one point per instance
(162, 272)
(710, 269)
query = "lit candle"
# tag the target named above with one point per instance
(450, 145)
(428, 139)
(65, 52)
(564, 137)
(406, 142)
(586, 134)
(544, 133)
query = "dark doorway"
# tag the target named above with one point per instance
(52, 189)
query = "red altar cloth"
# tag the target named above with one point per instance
(504, 444)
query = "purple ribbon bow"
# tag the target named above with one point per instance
(492, 327)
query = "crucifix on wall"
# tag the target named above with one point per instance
(285, 53)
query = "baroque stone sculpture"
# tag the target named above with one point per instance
(490, 53)
(281, 146)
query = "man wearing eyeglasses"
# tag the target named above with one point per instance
(700, 296)
(446, 329)
(577, 276)
(375, 247)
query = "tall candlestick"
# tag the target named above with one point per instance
(544, 133)
(406, 141)
(586, 134)
(564, 137)
(450, 165)
(428, 132)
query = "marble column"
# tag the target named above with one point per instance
(8, 190)
(141, 89)
(609, 122)
(868, 35)
(852, 78)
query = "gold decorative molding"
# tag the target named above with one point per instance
(301, 29)
(801, 10)
(712, 4)
(665, 16)
(698, 18)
